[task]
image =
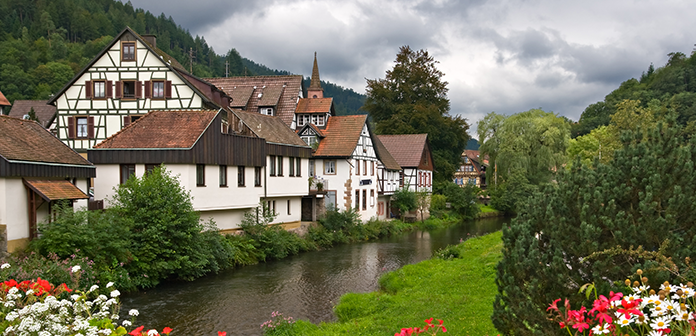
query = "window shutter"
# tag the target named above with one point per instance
(109, 89)
(88, 89)
(119, 88)
(138, 89)
(126, 121)
(168, 89)
(71, 127)
(148, 90)
(90, 127)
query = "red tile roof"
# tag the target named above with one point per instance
(52, 190)
(162, 129)
(387, 159)
(314, 105)
(25, 140)
(341, 136)
(3, 100)
(270, 128)
(43, 111)
(407, 149)
(245, 93)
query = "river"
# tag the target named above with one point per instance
(305, 286)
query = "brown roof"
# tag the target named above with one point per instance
(387, 159)
(52, 190)
(314, 105)
(341, 136)
(3, 100)
(407, 149)
(270, 128)
(238, 88)
(25, 140)
(43, 111)
(162, 129)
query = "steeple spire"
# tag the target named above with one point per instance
(315, 90)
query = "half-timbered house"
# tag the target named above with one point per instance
(412, 153)
(126, 80)
(388, 175)
(37, 172)
(472, 170)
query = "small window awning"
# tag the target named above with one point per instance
(52, 190)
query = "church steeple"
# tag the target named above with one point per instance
(315, 90)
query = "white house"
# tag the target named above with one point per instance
(388, 179)
(412, 153)
(127, 79)
(37, 172)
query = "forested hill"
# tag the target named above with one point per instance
(668, 88)
(44, 43)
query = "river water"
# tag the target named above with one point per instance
(305, 286)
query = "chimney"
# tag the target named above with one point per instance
(151, 39)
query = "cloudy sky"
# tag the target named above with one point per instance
(505, 56)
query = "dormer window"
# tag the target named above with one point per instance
(127, 51)
(266, 110)
(302, 119)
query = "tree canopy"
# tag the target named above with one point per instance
(412, 99)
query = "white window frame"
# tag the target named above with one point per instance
(81, 128)
(99, 89)
(330, 167)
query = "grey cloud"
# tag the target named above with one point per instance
(605, 64)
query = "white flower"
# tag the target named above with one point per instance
(115, 293)
(93, 288)
(109, 284)
(660, 323)
(152, 332)
(29, 292)
(623, 321)
(683, 316)
(5, 265)
(74, 297)
(601, 329)
(133, 312)
(126, 323)
(76, 268)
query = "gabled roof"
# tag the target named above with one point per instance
(46, 113)
(315, 105)
(250, 93)
(24, 140)
(387, 159)
(341, 136)
(317, 131)
(270, 128)
(3, 100)
(178, 129)
(407, 149)
(167, 60)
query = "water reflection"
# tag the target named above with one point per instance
(306, 286)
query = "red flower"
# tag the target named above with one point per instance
(65, 288)
(405, 332)
(222, 333)
(554, 305)
(136, 331)
(630, 308)
(166, 330)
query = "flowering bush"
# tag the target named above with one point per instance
(278, 325)
(434, 329)
(641, 311)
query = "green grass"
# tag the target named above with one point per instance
(458, 291)
(486, 208)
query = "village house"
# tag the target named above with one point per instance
(126, 80)
(4, 104)
(388, 179)
(412, 153)
(44, 113)
(225, 169)
(472, 171)
(37, 173)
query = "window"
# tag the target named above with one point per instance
(302, 119)
(365, 167)
(223, 175)
(266, 110)
(472, 180)
(320, 120)
(291, 165)
(127, 170)
(257, 176)
(128, 89)
(81, 127)
(128, 51)
(466, 159)
(273, 208)
(298, 167)
(200, 175)
(150, 167)
(240, 176)
(364, 199)
(310, 140)
(271, 165)
(311, 171)
(372, 168)
(288, 207)
(372, 198)
(330, 167)
(280, 166)
(99, 89)
(158, 89)
(357, 167)
(357, 200)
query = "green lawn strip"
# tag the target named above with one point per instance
(486, 208)
(458, 291)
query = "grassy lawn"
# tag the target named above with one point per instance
(458, 291)
(486, 208)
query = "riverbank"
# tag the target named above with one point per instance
(459, 291)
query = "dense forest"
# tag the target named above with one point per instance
(668, 88)
(43, 44)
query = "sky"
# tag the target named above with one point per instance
(506, 56)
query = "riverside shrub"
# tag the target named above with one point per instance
(596, 225)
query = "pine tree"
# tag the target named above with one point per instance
(600, 225)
